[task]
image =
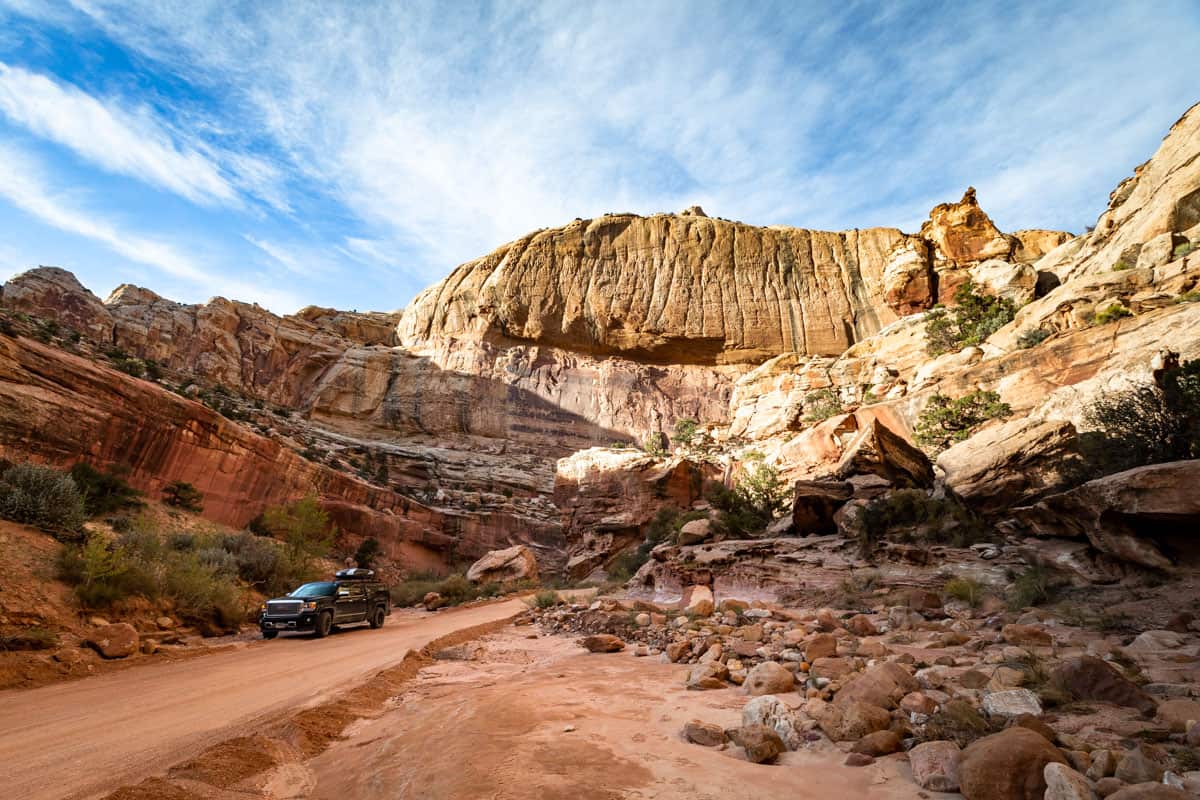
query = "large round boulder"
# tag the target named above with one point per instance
(1008, 765)
(516, 563)
(114, 641)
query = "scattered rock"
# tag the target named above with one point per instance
(1149, 791)
(709, 675)
(1064, 783)
(856, 759)
(775, 714)
(1176, 714)
(879, 743)
(603, 643)
(769, 677)
(432, 601)
(822, 645)
(1089, 678)
(1136, 766)
(704, 733)
(700, 602)
(882, 685)
(1011, 703)
(760, 742)
(1026, 635)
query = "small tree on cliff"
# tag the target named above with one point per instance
(973, 319)
(182, 494)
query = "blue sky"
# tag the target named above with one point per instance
(349, 154)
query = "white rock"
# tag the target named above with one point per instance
(1012, 703)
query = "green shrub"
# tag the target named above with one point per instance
(29, 639)
(547, 598)
(821, 405)
(655, 445)
(182, 494)
(130, 366)
(1182, 250)
(973, 319)
(304, 528)
(967, 590)
(1032, 587)
(44, 498)
(1032, 338)
(454, 589)
(103, 492)
(1122, 266)
(1111, 313)
(910, 516)
(685, 431)
(1150, 423)
(367, 552)
(946, 420)
(746, 509)
(1188, 297)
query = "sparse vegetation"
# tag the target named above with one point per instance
(967, 590)
(1111, 313)
(946, 420)
(752, 503)
(44, 498)
(973, 319)
(1031, 587)
(1032, 338)
(655, 445)
(547, 598)
(1182, 250)
(1122, 266)
(29, 639)
(367, 552)
(910, 516)
(454, 589)
(104, 492)
(304, 528)
(1188, 297)
(685, 431)
(821, 405)
(182, 494)
(664, 527)
(1149, 423)
(130, 366)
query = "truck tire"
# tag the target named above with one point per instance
(270, 634)
(324, 624)
(377, 617)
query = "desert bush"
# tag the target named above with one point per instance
(44, 498)
(1122, 266)
(29, 639)
(1032, 338)
(547, 598)
(1150, 423)
(182, 494)
(367, 552)
(967, 590)
(910, 516)
(454, 589)
(685, 431)
(973, 319)
(1111, 313)
(130, 366)
(821, 405)
(1182, 250)
(103, 492)
(946, 420)
(1031, 587)
(304, 528)
(655, 445)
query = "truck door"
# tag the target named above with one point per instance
(351, 603)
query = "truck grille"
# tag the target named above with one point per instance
(283, 607)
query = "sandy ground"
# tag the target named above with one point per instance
(491, 722)
(81, 739)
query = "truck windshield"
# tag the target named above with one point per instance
(322, 589)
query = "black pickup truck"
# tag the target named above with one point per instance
(353, 596)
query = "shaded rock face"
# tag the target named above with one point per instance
(608, 496)
(1131, 516)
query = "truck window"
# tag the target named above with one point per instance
(320, 589)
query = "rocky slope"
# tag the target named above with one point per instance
(455, 411)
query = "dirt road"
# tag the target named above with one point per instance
(82, 739)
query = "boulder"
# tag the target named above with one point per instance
(1009, 765)
(1117, 512)
(879, 743)
(882, 685)
(119, 640)
(877, 450)
(1176, 713)
(775, 714)
(769, 677)
(516, 563)
(1026, 635)
(704, 733)
(1011, 703)
(699, 601)
(760, 742)
(1090, 678)
(602, 643)
(857, 720)
(1011, 464)
(935, 765)
(432, 601)
(708, 675)
(1064, 783)
(695, 532)
(1013, 281)
(821, 645)
(814, 504)
(1137, 766)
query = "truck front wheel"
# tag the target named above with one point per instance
(377, 617)
(324, 624)
(270, 634)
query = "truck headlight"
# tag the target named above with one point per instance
(262, 609)
(310, 606)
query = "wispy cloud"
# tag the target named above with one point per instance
(23, 183)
